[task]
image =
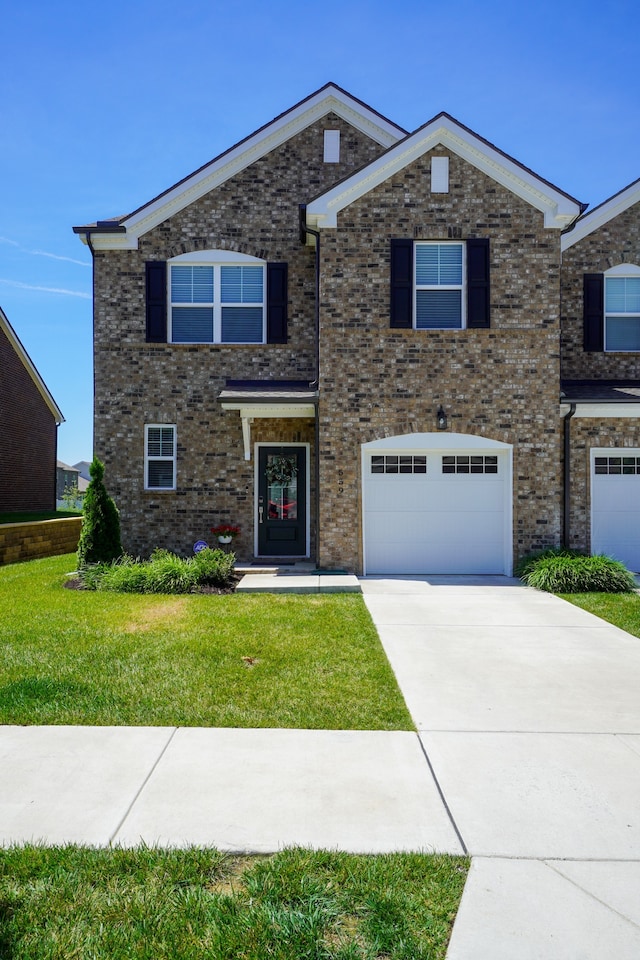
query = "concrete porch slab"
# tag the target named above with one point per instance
(285, 582)
(261, 790)
(556, 910)
(539, 796)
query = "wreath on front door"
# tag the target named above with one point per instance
(281, 470)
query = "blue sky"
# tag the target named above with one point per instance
(105, 105)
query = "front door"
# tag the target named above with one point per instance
(282, 507)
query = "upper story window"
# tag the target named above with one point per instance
(622, 308)
(439, 286)
(217, 297)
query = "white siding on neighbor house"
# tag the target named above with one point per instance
(615, 507)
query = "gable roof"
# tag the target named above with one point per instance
(29, 366)
(559, 208)
(605, 211)
(123, 232)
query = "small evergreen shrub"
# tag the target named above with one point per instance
(557, 570)
(100, 536)
(165, 572)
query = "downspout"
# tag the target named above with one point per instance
(304, 230)
(566, 530)
(87, 237)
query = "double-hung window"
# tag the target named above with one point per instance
(217, 302)
(439, 286)
(621, 311)
(159, 456)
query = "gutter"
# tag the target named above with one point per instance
(315, 384)
(566, 527)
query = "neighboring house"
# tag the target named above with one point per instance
(83, 466)
(347, 340)
(28, 439)
(66, 477)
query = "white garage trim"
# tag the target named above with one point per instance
(435, 446)
(615, 503)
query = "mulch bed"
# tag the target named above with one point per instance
(75, 583)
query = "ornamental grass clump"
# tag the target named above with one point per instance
(558, 570)
(165, 572)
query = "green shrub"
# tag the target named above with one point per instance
(100, 536)
(215, 567)
(567, 571)
(165, 572)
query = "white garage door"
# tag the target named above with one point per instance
(615, 505)
(436, 512)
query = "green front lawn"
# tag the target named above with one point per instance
(257, 660)
(195, 904)
(621, 609)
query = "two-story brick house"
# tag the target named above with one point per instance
(345, 339)
(29, 436)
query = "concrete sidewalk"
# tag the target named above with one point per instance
(527, 756)
(528, 711)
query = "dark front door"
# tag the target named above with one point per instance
(282, 507)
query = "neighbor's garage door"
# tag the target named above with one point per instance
(615, 505)
(434, 513)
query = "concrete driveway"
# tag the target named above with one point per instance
(528, 710)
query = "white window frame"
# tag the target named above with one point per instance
(462, 287)
(154, 459)
(216, 259)
(621, 271)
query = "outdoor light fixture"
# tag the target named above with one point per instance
(441, 419)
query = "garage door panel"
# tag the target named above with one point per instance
(615, 512)
(470, 496)
(435, 523)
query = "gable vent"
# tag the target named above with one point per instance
(440, 175)
(332, 146)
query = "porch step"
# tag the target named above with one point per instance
(290, 580)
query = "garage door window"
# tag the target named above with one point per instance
(617, 465)
(399, 464)
(463, 464)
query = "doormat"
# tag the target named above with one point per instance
(276, 563)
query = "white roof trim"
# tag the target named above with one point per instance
(30, 368)
(329, 99)
(602, 214)
(559, 209)
(603, 410)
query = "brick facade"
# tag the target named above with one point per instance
(501, 383)
(256, 213)
(27, 440)
(618, 241)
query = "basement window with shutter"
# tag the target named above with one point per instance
(439, 286)
(217, 296)
(159, 456)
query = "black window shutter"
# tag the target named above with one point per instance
(478, 283)
(156, 292)
(277, 297)
(401, 304)
(594, 311)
